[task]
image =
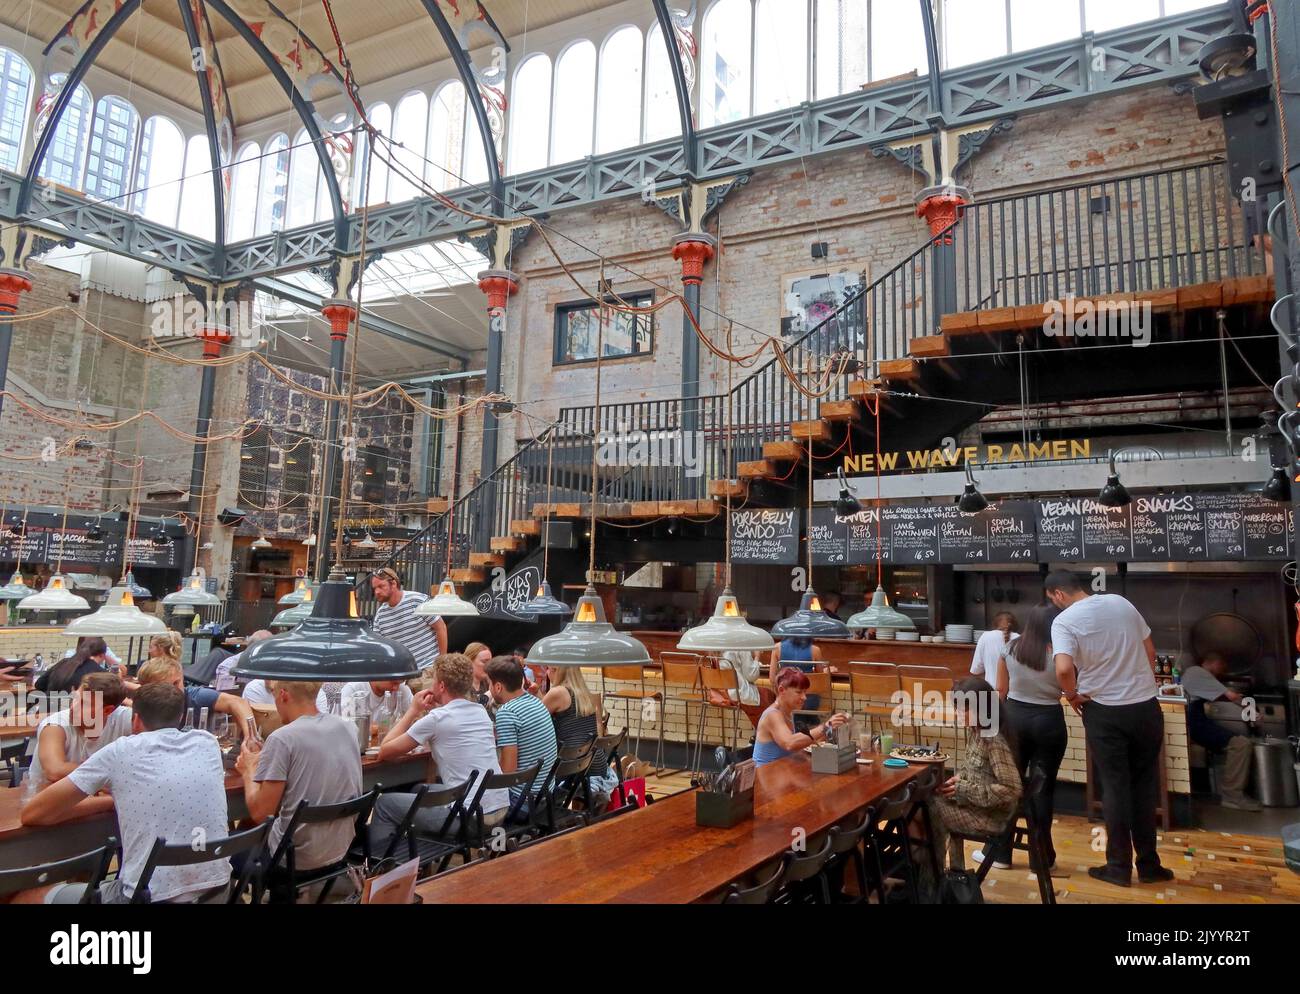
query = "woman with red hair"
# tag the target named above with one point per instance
(775, 737)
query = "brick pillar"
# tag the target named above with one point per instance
(341, 314)
(13, 283)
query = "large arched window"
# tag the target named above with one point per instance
(575, 102)
(474, 165)
(724, 63)
(618, 91)
(381, 117)
(530, 115)
(897, 40)
(159, 170)
(273, 185)
(976, 30)
(1105, 15)
(198, 213)
(661, 117)
(15, 91)
(1034, 24)
(410, 129)
(324, 203)
(112, 148)
(842, 45)
(780, 54)
(304, 171)
(243, 193)
(446, 137)
(66, 156)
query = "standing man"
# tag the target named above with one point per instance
(396, 620)
(1105, 664)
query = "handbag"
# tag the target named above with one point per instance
(960, 887)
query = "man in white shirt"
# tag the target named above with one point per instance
(66, 739)
(224, 679)
(988, 650)
(396, 620)
(462, 739)
(165, 783)
(1105, 664)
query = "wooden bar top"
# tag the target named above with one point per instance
(20, 726)
(660, 856)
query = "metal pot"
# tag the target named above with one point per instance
(1275, 777)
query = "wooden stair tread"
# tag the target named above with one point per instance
(756, 470)
(722, 489)
(486, 559)
(817, 431)
(525, 527)
(436, 505)
(900, 369)
(507, 543)
(472, 574)
(783, 451)
(840, 410)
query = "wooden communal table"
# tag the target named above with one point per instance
(20, 726)
(659, 855)
(24, 846)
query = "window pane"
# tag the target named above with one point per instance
(1182, 6)
(661, 117)
(575, 99)
(295, 482)
(304, 170)
(976, 30)
(243, 193)
(324, 204)
(780, 54)
(724, 65)
(475, 168)
(409, 128)
(252, 468)
(67, 150)
(578, 327)
(15, 88)
(446, 137)
(381, 116)
(273, 186)
(841, 47)
(531, 112)
(897, 40)
(158, 177)
(374, 474)
(1103, 15)
(618, 99)
(112, 149)
(198, 213)
(1034, 25)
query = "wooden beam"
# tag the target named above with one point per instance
(676, 508)
(864, 388)
(436, 505)
(645, 509)
(757, 470)
(906, 370)
(525, 527)
(473, 574)
(722, 489)
(840, 411)
(930, 347)
(961, 323)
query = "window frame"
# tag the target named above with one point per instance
(378, 456)
(637, 298)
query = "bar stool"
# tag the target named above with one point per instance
(724, 681)
(876, 684)
(635, 674)
(819, 684)
(683, 670)
(917, 682)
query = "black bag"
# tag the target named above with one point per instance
(960, 887)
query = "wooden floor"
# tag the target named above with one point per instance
(1210, 867)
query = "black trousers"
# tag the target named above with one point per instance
(1040, 736)
(1125, 742)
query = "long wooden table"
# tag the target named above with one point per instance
(30, 846)
(659, 855)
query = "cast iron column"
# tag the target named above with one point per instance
(214, 337)
(692, 250)
(340, 314)
(499, 285)
(941, 206)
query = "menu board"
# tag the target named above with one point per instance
(1013, 532)
(914, 534)
(75, 547)
(765, 536)
(30, 548)
(840, 540)
(144, 554)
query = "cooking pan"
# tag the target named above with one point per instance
(1232, 635)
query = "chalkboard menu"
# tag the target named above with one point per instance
(765, 536)
(145, 555)
(30, 548)
(76, 548)
(914, 533)
(1013, 532)
(926, 533)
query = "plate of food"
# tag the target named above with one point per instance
(915, 754)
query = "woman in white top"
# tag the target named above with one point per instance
(1026, 680)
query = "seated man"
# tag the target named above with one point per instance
(66, 739)
(1201, 684)
(525, 731)
(160, 669)
(224, 679)
(165, 783)
(311, 757)
(374, 691)
(458, 732)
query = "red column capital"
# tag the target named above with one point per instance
(214, 336)
(941, 206)
(499, 285)
(340, 314)
(13, 282)
(693, 251)
(1255, 9)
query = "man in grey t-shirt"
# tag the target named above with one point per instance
(312, 757)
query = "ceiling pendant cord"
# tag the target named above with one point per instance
(600, 348)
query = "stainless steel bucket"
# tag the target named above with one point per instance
(1275, 778)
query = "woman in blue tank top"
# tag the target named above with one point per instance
(775, 737)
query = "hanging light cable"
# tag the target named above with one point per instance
(56, 596)
(445, 600)
(194, 593)
(544, 602)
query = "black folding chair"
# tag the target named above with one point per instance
(252, 842)
(11, 761)
(805, 880)
(516, 823)
(284, 881)
(552, 805)
(889, 848)
(846, 852)
(449, 839)
(762, 893)
(92, 865)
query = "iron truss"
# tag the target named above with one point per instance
(1094, 65)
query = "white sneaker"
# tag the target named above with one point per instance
(978, 856)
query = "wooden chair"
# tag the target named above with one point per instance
(93, 866)
(683, 670)
(919, 682)
(725, 682)
(875, 684)
(638, 695)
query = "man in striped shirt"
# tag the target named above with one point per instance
(396, 620)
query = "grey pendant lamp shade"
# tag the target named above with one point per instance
(139, 592)
(880, 615)
(589, 640)
(332, 645)
(16, 589)
(291, 617)
(194, 594)
(446, 603)
(726, 631)
(301, 591)
(810, 621)
(55, 597)
(545, 603)
(117, 617)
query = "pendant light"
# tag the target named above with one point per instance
(846, 505)
(159, 537)
(445, 600)
(589, 640)
(1114, 493)
(727, 630)
(291, 617)
(301, 591)
(117, 617)
(971, 500)
(57, 595)
(366, 542)
(260, 543)
(194, 593)
(1278, 487)
(544, 603)
(16, 589)
(137, 591)
(810, 621)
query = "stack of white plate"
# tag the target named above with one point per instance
(959, 633)
(908, 637)
(885, 634)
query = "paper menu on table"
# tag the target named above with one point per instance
(397, 886)
(744, 778)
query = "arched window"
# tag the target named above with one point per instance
(1033, 24)
(842, 45)
(243, 193)
(780, 54)
(975, 30)
(15, 90)
(273, 185)
(324, 205)
(474, 165)
(575, 102)
(530, 115)
(159, 170)
(66, 156)
(304, 171)
(198, 213)
(381, 117)
(446, 137)
(724, 63)
(897, 40)
(661, 117)
(112, 148)
(410, 128)
(618, 91)
(1105, 15)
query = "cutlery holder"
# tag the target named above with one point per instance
(834, 758)
(723, 810)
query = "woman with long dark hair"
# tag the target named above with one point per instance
(1032, 710)
(66, 675)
